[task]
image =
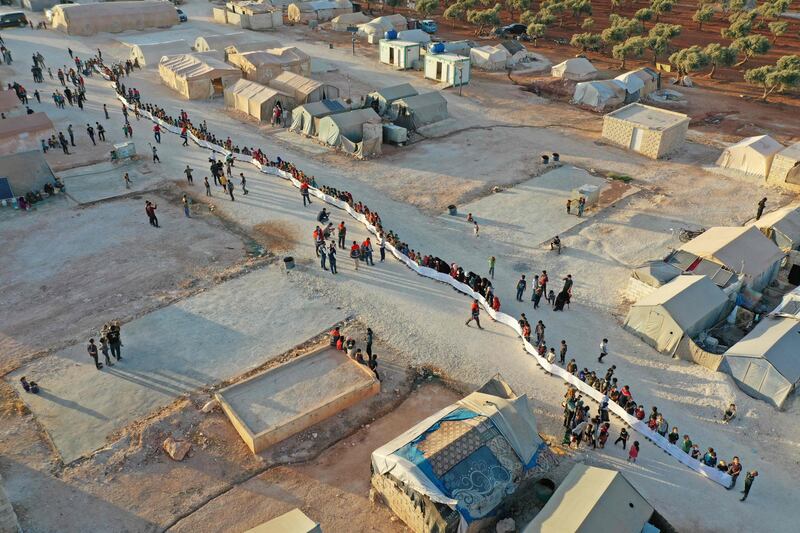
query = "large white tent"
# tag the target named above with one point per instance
(785, 168)
(744, 250)
(348, 20)
(196, 75)
(685, 306)
(114, 17)
(766, 363)
(593, 500)
(752, 155)
(255, 99)
(576, 68)
(600, 94)
(489, 57)
(149, 55)
(304, 89)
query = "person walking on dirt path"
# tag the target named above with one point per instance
(127, 180)
(569, 205)
(208, 186)
(71, 135)
(355, 253)
(90, 131)
(475, 312)
(244, 183)
(150, 209)
(332, 257)
(305, 194)
(342, 232)
(603, 350)
(761, 205)
(230, 190)
(104, 349)
(188, 172)
(369, 342)
(521, 284)
(581, 206)
(322, 252)
(92, 350)
(101, 132)
(492, 261)
(157, 133)
(71, 56)
(155, 155)
(63, 141)
(115, 340)
(749, 478)
(105, 111)
(185, 202)
(382, 247)
(562, 354)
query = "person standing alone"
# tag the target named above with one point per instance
(761, 205)
(748, 482)
(521, 284)
(475, 312)
(603, 350)
(150, 209)
(492, 261)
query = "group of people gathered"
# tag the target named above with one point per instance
(348, 345)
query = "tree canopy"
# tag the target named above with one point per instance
(783, 75)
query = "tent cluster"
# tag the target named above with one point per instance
(600, 95)
(317, 10)
(375, 29)
(764, 157)
(428, 474)
(197, 76)
(113, 17)
(249, 15)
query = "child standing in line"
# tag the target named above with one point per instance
(634, 452)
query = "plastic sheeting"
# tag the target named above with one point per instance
(637, 425)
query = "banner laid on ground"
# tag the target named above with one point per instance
(638, 425)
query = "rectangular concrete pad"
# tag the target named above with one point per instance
(271, 406)
(211, 337)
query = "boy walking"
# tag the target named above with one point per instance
(475, 312)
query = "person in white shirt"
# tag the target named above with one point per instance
(603, 350)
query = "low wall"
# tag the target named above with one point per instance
(637, 425)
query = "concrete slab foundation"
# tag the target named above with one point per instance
(273, 405)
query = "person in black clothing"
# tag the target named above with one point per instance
(92, 349)
(623, 437)
(369, 342)
(90, 131)
(562, 355)
(748, 482)
(761, 205)
(115, 340)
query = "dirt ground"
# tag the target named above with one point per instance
(64, 276)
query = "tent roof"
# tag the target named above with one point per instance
(153, 52)
(191, 66)
(255, 92)
(776, 340)
(355, 117)
(785, 220)
(354, 18)
(791, 152)
(652, 118)
(394, 92)
(289, 54)
(512, 47)
(687, 298)
(295, 82)
(220, 42)
(576, 65)
(741, 249)
(763, 144)
(76, 12)
(656, 273)
(26, 171)
(24, 123)
(250, 46)
(420, 101)
(593, 499)
(416, 36)
(322, 108)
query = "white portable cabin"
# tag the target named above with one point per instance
(450, 69)
(399, 54)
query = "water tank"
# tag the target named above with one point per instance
(437, 48)
(390, 35)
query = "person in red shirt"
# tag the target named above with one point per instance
(496, 303)
(157, 133)
(475, 312)
(305, 194)
(355, 253)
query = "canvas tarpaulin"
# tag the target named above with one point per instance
(576, 68)
(304, 89)
(766, 362)
(265, 65)
(599, 95)
(219, 42)
(417, 111)
(656, 273)
(786, 166)
(381, 99)
(348, 125)
(752, 155)
(306, 117)
(114, 17)
(348, 20)
(686, 305)
(489, 57)
(150, 54)
(741, 249)
(255, 99)
(639, 426)
(590, 500)
(195, 76)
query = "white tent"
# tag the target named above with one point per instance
(752, 155)
(782, 227)
(348, 20)
(414, 112)
(220, 42)
(306, 117)
(197, 76)
(346, 125)
(373, 30)
(685, 306)
(489, 57)
(639, 83)
(576, 68)
(114, 17)
(743, 250)
(304, 89)
(148, 55)
(786, 167)
(255, 99)
(414, 36)
(590, 500)
(766, 363)
(599, 95)
(318, 10)
(381, 99)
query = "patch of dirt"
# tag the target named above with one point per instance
(276, 235)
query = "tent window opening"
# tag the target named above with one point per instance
(216, 83)
(438, 70)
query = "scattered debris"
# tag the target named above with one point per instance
(176, 449)
(210, 406)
